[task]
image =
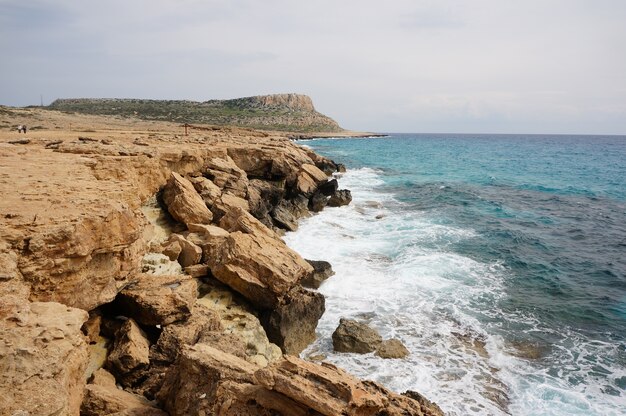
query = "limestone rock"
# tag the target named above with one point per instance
(263, 196)
(255, 262)
(329, 188)
(288, 211)
(353, 336)
(158, 300)
(184, 203)
(43, 356)
(318, 202)
(130, 351)
(392, 348)
(102, 397)
(305, 184)
(340, 198)
(209, 191)
(291, 325)
(322, 270)
(190, 253)
(172, 250)
(225, 174)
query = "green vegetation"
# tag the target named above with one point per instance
(284, 112)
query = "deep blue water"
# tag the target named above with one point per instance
(544, 217)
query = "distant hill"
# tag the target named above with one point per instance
(286, 112)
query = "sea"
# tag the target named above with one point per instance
(498, 260)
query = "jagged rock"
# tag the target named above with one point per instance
(43, 357)
(91, 328)
(210, 238)
(318, 202)
(130, 352)
(190, 253)
(184, 203)
(322, 270)
(158, 300)
(172, 250)
(226, 203)
(227, 176)
(305, 184)
(353, 336)
(291, 325)
(426, 405)
(392, 348)
(197, 270)
(329, 188)
(263, 196)
(240, 321)
(339, 198)
(209, 191)
(330, 391)
(288, 211)
(102, 397)
(341, 168)
(255, 262)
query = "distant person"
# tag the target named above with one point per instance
(24, 127)
(20, 128)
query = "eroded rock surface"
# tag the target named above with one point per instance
(354, 336)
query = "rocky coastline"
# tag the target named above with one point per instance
(142, 272)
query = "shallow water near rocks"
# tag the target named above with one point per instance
(499, 261)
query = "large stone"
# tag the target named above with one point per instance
(353, 336)
(315, 173)
(318, 202)
(209, 191)
(130, 352)
(291, 325)
(43, 357)
(263, 196)
(255, 262)
(329, 188)
(340, 198)
(322, 270)
(190, 253)
(103, 397)
(184, 203)
(288, 211)
(227, 176)
(158, 300)
(392, 348)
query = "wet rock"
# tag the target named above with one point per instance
(291, 325)
(184, 203)
(43, 357)
(318, 202)
(322, 270)
(263, 196)
(340, 198)
(130, 352)
(353, 336)
(392, 348)
(158, 300)
(427, 407)
(329, 188)
(288, 211)
(102, 397)
(255, 262)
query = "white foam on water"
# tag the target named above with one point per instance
(393, 271)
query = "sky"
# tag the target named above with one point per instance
(440, 66)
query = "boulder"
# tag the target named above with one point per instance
(263, 196)
(340, 198)
(172, 250)
(353, 336)
(43, 357)
(318, 202)
(190, 253)
(209, 191)
(305, 184)
(291, 325)
(129, 353)
(209, 237)
(226, 203)
(225, 174)
(392, 348)
(158, 300)
(255, 262)
(103, 397)
(322, 270)
(328, 188)
(288, 211)
(184, 203)
(315, 173)
(91, 328)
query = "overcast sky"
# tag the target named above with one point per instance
(492, 66)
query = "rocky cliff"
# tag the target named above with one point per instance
(285, 112)
(142, 272)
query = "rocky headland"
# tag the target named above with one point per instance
(142, 272)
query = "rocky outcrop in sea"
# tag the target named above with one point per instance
(143, 272)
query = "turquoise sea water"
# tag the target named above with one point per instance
(499, 260)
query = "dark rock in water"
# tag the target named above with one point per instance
(341, 167)
(427, 407)
(322, 270)
(329, 188)
(263, 196)
(288, 211)
(392, 348)
(339, 198)
(291, 325)
(317, 202)
(353, 336)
